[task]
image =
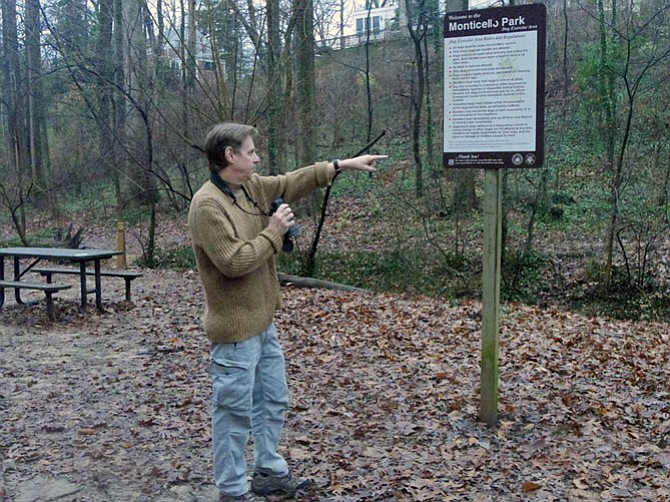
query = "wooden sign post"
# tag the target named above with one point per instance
(488, 409)
(493, 119)
(121, 245)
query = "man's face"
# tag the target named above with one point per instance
(242, 163)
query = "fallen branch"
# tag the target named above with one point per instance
(309, 282)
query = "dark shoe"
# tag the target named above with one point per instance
(286, 486)
(247, 497)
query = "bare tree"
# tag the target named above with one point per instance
(305, 80)
(16, 151)
(276, 118)
(37, 129)
(624, 68)
(417, 25)
(464, 198)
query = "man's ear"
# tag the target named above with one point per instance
(229, 153)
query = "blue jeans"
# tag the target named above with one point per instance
(249, 396)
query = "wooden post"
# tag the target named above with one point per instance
(121, 245)
(491, 295)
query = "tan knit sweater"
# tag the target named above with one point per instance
(235, 251)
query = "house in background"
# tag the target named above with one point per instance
(358, 21)
(374, 16)
(203, 58)
(349, 24)
(361, 20)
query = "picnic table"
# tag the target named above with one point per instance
(81, 257)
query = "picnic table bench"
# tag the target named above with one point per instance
(127, 275)
(49, 290)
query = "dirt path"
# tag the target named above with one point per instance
(88, 403)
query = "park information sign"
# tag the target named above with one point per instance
(494, 87)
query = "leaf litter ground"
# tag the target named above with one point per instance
(114, 406)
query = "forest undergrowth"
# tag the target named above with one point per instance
(374, 239)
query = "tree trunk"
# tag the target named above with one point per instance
(15, 119)
(221, 100)
(465, 197)
(191, 63)
(430, 134)
(142, 189)
(368, 91)
(36, 119)
(306, 81)
(566, 32)
(609, 100)
(118, 104)
(276, 122)
(308, 282)
(416, 25)
(105, 85)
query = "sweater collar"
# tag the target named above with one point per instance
(222, 185)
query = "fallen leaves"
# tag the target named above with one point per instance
(571, 389)
(530, 486)
(384, 398)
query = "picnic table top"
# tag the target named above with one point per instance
(68, 253)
